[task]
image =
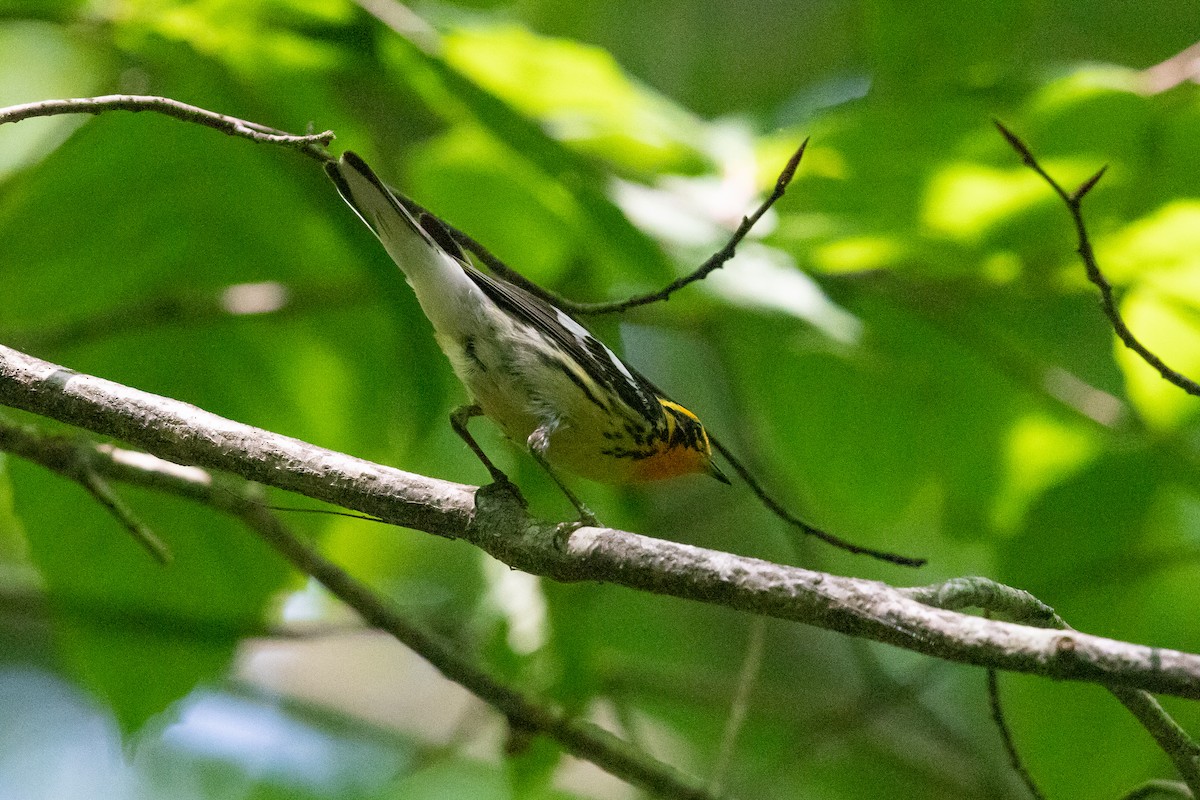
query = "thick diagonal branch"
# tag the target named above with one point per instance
(185, 434)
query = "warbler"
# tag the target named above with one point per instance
(528, 366)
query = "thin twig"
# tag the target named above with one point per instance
(311, 145)
(1010, 746)
(1073, 201)
(983, 593)
(778, 510)
(715, 261)
(740, 706)
(72, 458)
(1167, 733)
(111, 502)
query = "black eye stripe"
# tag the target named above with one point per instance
(685, 431)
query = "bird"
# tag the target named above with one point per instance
(548, 384)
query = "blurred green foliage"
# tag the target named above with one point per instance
(907, 350)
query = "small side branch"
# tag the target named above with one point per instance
(777, 508)
(1010, 746)
(311, 145)
(75, 460)
(1170, 736)
(994, 597)
(715, 261)
(104, 494)
(1073, 201)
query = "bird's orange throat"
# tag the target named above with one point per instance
(670, 463)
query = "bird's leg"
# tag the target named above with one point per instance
(539, 442)
(458, 420)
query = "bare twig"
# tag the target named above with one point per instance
(72, 458)
(1183, 751)
(1073, 201)
(111, 502)
(1010, 746)
(747, 677)
(715, 261)
(1167, 733)
(1177, 744)
(777, 508)
(311, 145)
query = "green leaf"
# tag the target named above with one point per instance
(581, 95)
(457, 97)
(140, 635)
(531, 764)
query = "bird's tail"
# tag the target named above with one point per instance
(436, 275)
